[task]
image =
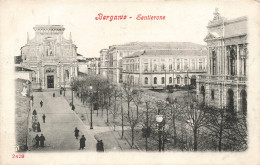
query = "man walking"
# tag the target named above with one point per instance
(82, 142)
(76, 132)
(43, 118)
(37, 140)
(73, 107)
(41, 103)
(42, 139)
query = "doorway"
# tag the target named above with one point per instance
(50, 81)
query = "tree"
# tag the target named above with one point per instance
(133, 120)
(128, 88)
(175, 112)
(137, 95)
(194, 115)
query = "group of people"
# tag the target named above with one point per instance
(99, 145)
(39, 140)
(35, 123)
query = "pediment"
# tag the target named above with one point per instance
(211, 35)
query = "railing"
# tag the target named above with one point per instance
(227, 78)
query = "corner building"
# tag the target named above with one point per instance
(225, 84)
(52, 57)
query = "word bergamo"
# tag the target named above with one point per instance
(100, 16)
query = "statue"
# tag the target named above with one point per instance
(24, 92)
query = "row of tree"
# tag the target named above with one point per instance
(187, 124)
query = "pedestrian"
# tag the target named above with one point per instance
(82, 142)
(34, 127)
(53, 94)
(76, 132)
(73, 107)
(34, 112)
(60, 92)
(100, 146)
(42, 139)
(37, 140)
(41, 103)
(43, 118)
(38, 127)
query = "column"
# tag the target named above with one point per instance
(43, 78)
(76, 71)
(38, 75)
(58, 75)
(62, 74)
(238, 61)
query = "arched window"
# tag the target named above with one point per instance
(155, 80)
(232, 62)
(202, 90)
(212, 94)
(162, 80)
(214, 63)
(243, 96)
(146, 80)
(230, 101)
(170, 80)
(186, 80)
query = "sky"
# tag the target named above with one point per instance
(185, 21)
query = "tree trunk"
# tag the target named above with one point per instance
(132, 129)
(220, 139)
(128, 106)
(195, 139)
(174, 131)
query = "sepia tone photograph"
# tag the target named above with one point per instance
(115, 79)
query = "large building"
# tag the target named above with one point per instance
(225, 84)
(179, 64)
(52, 57)
(111, 59)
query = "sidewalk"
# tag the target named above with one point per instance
(59, 126)
(111, 139)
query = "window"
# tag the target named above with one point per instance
(162, 80)
(178, 80)
(67, 74)
(170, 67)
(170, 80)
(214, 63)
(155, 67)
(146, 67)
(193, 64)
(155, 80)
(186, 80)
(163, 67)
(212, 94)
(200, 64)
(178, 64)
(146, 80)
(185, 64)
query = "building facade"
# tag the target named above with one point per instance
(225, 84)
(52, 57)
(159, 68)
(112, 59)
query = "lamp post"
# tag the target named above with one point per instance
(91, 110)
(159, 120)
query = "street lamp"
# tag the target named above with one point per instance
(159, 120)
(91, 94)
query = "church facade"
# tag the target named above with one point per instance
(52, 58)
(225, 85)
